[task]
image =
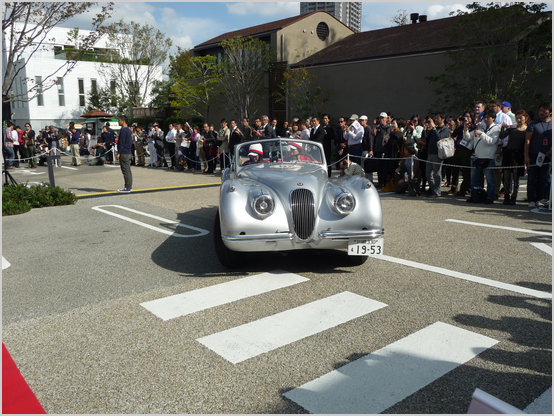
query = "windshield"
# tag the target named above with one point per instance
(279, 151)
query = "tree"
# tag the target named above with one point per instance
(104, 99)
(401, 19)
(136, 54)
(304, 93)
(26, 27)
(194, 84)
(243, 71)
(162, 98)
(505, 52)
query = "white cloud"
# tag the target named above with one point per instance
(438, 11)
(265, 9)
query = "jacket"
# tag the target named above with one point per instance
(486, 144)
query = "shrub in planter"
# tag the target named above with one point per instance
(17, 199)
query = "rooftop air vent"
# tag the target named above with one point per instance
(322, 30)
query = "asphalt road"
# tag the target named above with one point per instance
(78, 323)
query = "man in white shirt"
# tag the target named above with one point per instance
(506, 108)
(355, 135)
(170, 145)
(500, 120)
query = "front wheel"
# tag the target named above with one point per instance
(228, 258)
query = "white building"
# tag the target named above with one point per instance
(62, 103)
(348, 12)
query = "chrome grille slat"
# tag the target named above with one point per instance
(303, 212)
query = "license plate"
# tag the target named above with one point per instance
(365, 247)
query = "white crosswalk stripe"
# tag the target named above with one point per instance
(255, 338)
(208, 297)
(381, 379)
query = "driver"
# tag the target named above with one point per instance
(255, 152)
(295, 155)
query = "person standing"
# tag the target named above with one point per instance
(235, 138)
(223, 138)
(538, 155)
(328, 140)
(170, 145)
(318, 132)
(210, 149)
(74, 135)
(513, 159)
(124, 154)
(29, 137)
(109, 143)
(381, 132)
(8, 146)
(247, 131)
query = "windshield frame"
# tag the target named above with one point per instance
(274, 141)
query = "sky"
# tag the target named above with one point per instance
(188, 24)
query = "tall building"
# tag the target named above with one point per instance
(349, 13)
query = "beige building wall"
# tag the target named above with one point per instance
(394, 84)
(300, 40)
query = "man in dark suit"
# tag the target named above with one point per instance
(328, 140)
(318, 132)
(267, 131)
(235, 138)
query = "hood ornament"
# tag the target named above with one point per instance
(300, 184)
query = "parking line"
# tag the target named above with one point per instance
(521, 230)
(208, 297)
(151, 227)
(481, 280)
(381, 379)
(5, 263)
(249, 340)
(543, 247)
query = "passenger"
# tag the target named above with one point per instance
(255, 153)
(295, 155)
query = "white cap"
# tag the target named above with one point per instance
(363, 118)
(354, 117)
(383, 114)
(255, 150)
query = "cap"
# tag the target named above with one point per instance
(354, 117)
(363, 118)
(383, 114)
(255, 150)
(297, 145)
(506, 104)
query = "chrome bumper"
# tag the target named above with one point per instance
(262, 238)
(344, 235)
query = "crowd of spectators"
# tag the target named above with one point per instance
(491, 144)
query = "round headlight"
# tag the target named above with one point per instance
(263, 206)
(345, 203)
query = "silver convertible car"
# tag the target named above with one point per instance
(276, 196)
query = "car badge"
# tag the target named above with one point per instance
(300, 184)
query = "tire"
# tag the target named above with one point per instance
(228, 258)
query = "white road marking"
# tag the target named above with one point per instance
(201, 231)
(381, 379)
(468, 277)
(542, 405)
(67, 167)
(543, 247)
(211, 296)
(255, 338)
(501, 228)
(30, 172)
(5, 263)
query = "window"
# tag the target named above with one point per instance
(93, 86)
(40, 97)
(81, 92)
(112, 90)
(61, 94)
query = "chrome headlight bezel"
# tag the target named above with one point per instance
(344, 203)
(263, 206)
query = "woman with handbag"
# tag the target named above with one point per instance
(513, 156)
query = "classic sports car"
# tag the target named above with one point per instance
(276, 196)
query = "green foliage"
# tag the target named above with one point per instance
(305, 95)
(18, 199)
(194, 83)
(104, 99)
(505, 52)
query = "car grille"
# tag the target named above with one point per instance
(303, 212)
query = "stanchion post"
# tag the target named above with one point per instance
(49, 161)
